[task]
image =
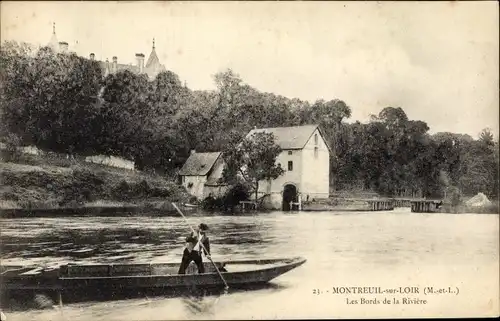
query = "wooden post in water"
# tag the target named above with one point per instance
(424, 206)
(60, 300)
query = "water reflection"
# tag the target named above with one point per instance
(374, 249)
(202, 304)
(197, 300)
(103, 239)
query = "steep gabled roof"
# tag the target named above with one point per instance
(295, 137)
(153, 65)
(199, 164)
(153, 60)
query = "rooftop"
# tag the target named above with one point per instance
(294, 137)
(199, 164)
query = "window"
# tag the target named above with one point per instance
(289, 152)
(315, 139)
(315, 152)
(290, 165)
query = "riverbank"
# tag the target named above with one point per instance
(35, 186)
(465, 209)
(32, 187)
(149, 209)
(359, 204)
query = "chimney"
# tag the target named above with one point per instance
(63, 46)
(92, 56)
(140, 62)
(115, 64)
(193, 151)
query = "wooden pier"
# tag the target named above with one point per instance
(357, 205)
(381, 205)
(402, 202)
(426, 206)
(349, 204)
(248, 205)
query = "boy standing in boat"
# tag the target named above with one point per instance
(197, 244)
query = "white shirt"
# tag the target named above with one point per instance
(198, 247)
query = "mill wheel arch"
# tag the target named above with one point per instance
(290, 194)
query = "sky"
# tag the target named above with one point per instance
(439, 61)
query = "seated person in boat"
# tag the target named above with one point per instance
(197, 244)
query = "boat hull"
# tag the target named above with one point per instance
(146, 276)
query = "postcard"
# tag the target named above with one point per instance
(177, 160)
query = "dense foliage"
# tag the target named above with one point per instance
(251, 161)
(62, 103)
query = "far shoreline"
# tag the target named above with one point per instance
(166, 210)
(12, 213)
(97, 209)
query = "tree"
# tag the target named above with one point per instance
(124, 109)
(486, 136)
(228, 84)
(167, 95)
(46, 95)
(252, 161)
(60, 102)
(392, 117)
(166, 103)
(15, 63)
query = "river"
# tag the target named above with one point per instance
(381, 249)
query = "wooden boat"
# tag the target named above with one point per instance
(190, 205)
(72, 277)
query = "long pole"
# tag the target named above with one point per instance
(226, 287)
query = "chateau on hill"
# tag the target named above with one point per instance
(152, 67)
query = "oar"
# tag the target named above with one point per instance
(226, 287)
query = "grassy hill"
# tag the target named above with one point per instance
(35, 182)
